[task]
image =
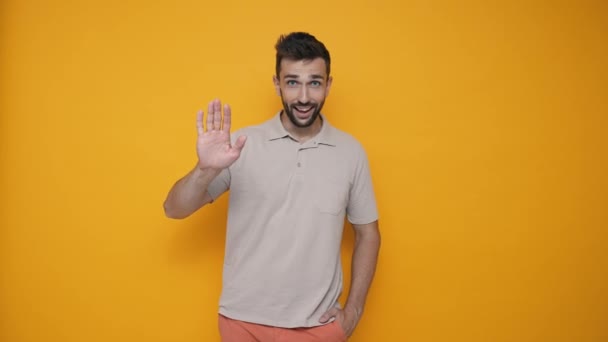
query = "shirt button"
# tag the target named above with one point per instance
(299, 164)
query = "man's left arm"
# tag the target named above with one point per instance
(365, 256)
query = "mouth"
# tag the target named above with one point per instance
(303, 111)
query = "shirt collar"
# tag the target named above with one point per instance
(277, 131)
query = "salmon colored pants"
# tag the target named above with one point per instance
(238, 331)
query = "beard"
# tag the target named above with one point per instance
(288, 109)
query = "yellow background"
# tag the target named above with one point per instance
(484, 122)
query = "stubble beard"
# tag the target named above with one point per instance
(288, 109)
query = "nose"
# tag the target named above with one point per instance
(303, 95)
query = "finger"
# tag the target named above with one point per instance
(240, 142)
(329, 314)
(227, 119)
(210, 114)
(199, 122)
(217, 117)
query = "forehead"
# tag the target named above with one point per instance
(304, 68)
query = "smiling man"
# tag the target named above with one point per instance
(292, 180)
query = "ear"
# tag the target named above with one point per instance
(277, 85)
(329, 82)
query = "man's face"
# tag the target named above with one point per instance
(303, 86)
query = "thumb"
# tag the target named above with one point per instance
(240, 142)
(329, 314)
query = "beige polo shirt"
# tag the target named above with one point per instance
(285, 221)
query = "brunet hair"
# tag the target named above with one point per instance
(299, 46)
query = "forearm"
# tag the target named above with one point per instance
(365, 256)
(189, 193)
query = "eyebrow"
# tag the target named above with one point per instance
(314, 77)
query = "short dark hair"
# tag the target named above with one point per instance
(301, 46)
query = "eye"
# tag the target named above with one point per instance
(315, 83)
(291, 83)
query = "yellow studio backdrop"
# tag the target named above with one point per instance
(485, 124)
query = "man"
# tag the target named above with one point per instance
(290, 186)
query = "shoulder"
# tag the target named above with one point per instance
(346, 142)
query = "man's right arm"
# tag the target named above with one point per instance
(189, 193)
(215, 153)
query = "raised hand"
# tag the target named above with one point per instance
(213, 144)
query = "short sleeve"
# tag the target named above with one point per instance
(361, 207)
(219, 184)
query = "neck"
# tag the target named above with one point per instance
(302, 134)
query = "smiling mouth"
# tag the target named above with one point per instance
(304, 109)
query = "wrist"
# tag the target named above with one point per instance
(211, 170)
(354, 310)
(205, 174)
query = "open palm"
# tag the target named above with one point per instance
(213, 144)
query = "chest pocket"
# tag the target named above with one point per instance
(332, 196)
